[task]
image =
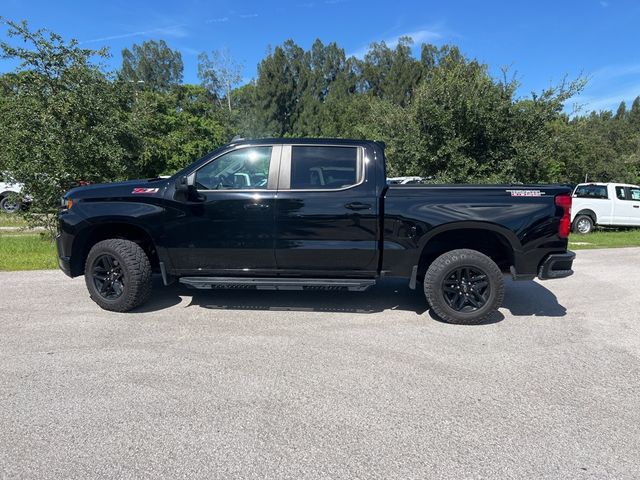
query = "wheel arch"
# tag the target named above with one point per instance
(88, 237)
(589, 213)
(494, 241)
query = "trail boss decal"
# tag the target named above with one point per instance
(145, 190)
(526, 193)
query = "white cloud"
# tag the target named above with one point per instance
(174, 31)
(248, 15)
(610, 101)
(609, 86)
(218, 20)
(418, 36)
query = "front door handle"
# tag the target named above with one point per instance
(636, 206)
(256, 206)
(357, 206)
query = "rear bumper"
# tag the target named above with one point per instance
(556, 265)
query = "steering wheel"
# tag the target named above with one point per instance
(222, 182)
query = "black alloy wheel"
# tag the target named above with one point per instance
(466, 289)
(108, 277)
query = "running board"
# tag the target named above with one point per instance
(353, 285)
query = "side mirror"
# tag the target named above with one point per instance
(186, 183)
(186, 190)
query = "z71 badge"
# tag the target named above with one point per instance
(145, 190)
(525, 193)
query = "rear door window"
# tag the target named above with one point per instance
(320, 168)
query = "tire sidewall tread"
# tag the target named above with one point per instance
(457, 258)
(137, 274)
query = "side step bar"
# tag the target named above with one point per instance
(277, 283)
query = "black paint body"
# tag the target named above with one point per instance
(365, 231)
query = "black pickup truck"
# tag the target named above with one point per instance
(312, 214)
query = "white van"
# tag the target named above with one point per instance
(608, 204)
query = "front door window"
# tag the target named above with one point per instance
(242, 169)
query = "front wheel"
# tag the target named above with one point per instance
(9, 206)
(118, 275)
(464, 287)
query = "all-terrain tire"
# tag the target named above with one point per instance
(135, 270)
(443, 270)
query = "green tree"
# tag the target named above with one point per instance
(219, 73)
(326, 71)
(152, 64)
(391, 74)
(61, 119)
(175, 128)
(622, 111)
(282, 77)
(634, 115)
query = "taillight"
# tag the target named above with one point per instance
(564, 201)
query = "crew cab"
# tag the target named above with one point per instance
(606, 204)
(299, 214)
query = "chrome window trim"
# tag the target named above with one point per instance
(284, 183)
(272, 178)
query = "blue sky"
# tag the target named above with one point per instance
(542, 41)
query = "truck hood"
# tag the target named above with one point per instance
(149, 186)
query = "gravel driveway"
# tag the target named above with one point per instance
(242, 384)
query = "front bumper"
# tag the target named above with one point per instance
(64, 262)
(556, 265)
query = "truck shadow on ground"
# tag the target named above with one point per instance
(525, 298)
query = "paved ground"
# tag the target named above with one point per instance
(296, 385)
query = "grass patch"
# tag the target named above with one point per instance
(12, 220)
(27, 252)
(605, 239)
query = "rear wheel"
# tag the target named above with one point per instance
(464, 286)
(118, 275)
(583, 224)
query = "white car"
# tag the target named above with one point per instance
(8, 204)
(607, 204)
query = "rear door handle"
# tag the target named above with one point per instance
(358, 206)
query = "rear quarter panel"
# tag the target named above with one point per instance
(415, 215)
